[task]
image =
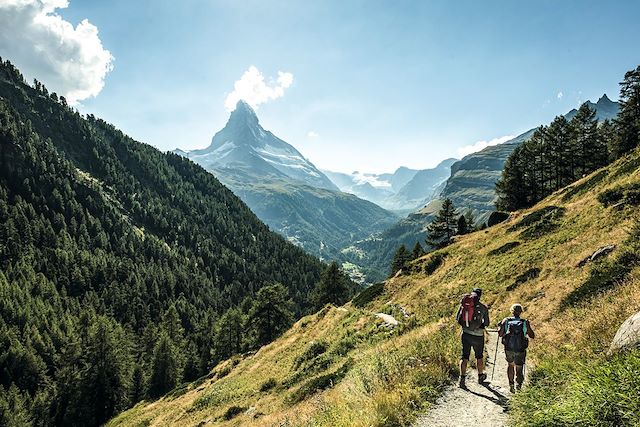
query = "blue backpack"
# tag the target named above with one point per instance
(514, 335)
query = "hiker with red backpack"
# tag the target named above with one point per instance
(515, 333)
(473, 316)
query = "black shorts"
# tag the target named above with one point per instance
(471, 341)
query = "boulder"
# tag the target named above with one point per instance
(628, 335)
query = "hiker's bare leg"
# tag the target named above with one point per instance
(480, 363)
(519, 374)
(511, 372)
(463, 367)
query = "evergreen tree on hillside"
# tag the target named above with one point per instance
(400, 260)
(417, 251)
(229, 334)
(166, 370)
(270, 315)
(470, 220)
(462, 228)
(14, 408)
(590, 151)
(106, 376)
(444, 225)
(333, 287)
(628, 120)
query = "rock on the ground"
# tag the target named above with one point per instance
(628, 335)
(389, 321)
(599, 253)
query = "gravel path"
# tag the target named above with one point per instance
(479, 405)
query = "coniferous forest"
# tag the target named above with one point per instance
(124, 271)
(566, 150)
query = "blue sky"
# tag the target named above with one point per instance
(377, 84)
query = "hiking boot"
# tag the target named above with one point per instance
(482, 378)
(462, 382)
(512, 388)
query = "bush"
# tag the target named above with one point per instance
(496, 218)
(434, 261)
(530, 274)
(318, 383)
(268, 385)
(552, 213)
(233, 411)
(314, 350)
(368, 295)
(603, 275)
(624, 195)
(504, 248)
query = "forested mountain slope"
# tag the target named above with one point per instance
(117, 262)
(344, 366)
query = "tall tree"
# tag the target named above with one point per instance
(471, 220)
(444, 225)
(333, 287)
(166, 370)
(271, 314)
(462, 228)
(417, 251)
(229, 334)
(628, 120)
(590, 152)
(400, 259)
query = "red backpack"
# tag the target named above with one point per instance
(469, 315)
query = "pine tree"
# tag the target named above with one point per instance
(229, 334)
(470, 220)
(462, 225)
(333, 287)
(444, 225)
(628, 120)
(590, 151)
(271, 314)
(418, 251)
(166, 370)
(14, 408)
(138, 384)
(400, 260)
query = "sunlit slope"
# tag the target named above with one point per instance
(343, 367)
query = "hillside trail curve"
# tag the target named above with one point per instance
(479, 404)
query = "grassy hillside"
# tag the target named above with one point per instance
(341, 366)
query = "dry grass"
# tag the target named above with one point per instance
(393, 375)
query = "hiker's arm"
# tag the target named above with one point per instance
(530, 332)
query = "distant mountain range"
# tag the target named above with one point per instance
(405, 190)
(285, 190)
(471, 185)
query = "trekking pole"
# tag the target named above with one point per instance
(495, 356)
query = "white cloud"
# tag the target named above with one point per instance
(313, 134)
(367, 178)
(70, 61)
(253, 89)
(468, 149)
(560, 95)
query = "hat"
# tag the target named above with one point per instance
(477, 291)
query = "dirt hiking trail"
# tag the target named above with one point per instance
(478, 405)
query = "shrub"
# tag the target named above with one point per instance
(233, 411)
(504, 248)
(314, 350)
(368, 295)
(530, 274)
(603, 275)
(318, 383)
(434, 261)
(552, 213)
(496, 217)
(624, 194)
(268, 384)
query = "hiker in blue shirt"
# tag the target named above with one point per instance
(515, 333)
(473, 316)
